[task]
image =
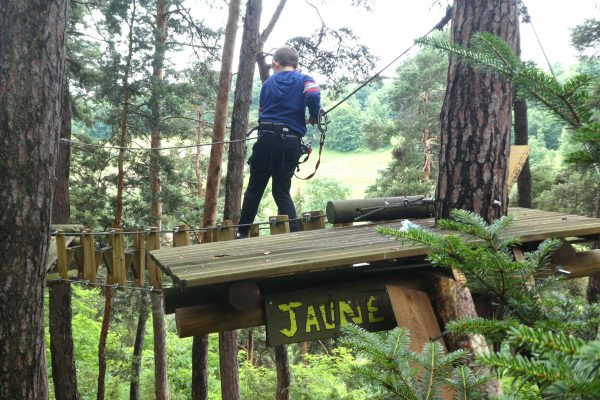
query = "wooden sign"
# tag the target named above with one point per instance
(311, 315)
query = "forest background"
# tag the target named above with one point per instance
(380, 128)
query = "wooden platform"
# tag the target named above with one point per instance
(343, 250)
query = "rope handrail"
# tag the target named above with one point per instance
(149, 230)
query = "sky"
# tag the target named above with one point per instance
(392, 25)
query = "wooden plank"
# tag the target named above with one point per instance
(89, 256)
(413, 310)
(516, 161)
(325, 249)
(61, 255)
(279, 224)
(225, 231)
(52, 249)
(118, 257)
(181, 236)
(139, 259)
(154, 272)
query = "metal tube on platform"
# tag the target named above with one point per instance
(380, 209)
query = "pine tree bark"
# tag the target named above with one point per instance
(161, 388)
(200, 368)
(213, 175)
(64, 374)
(476, 118)
(102, 343)
(32, 68)
(161, 381)
(228, 365)
(124, 121)
(283, 373)
(227, 343)
(138, 346)
(160, 37)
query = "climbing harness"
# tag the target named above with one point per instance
(322, 122)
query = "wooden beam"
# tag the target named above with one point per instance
(89, 256)
(575, 264)
(216, 317)
(413, 311)
(118, 257)
(61, 255)
(139, 259)
(154, 272)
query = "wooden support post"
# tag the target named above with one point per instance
(118, 257)
(224, 231)
(89, 256)
(154, 272)
(181, 236)
(254, 230)
(413, 310)
(61, 255)
(279, 224)
(312, 220)
(139, 259)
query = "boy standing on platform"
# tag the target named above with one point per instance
(284, 98)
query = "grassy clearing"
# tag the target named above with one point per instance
(358, 169)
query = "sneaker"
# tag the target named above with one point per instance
(241, 235)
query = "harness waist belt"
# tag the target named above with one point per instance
(271, 127)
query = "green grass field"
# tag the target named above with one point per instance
(358, 169)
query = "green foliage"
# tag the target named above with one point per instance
(488, 263)
(568, 100)
(319, 191)
(415, 98)
(561, 366)
(345, 129)
(396, 372)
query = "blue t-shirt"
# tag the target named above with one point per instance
(284, 98)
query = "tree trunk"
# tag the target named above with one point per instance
(213, 175)
(138, 346)
(230, 385)
(200, 368)
(64, 373)
(227, 344)
(160, 32)
(124, 122)
(102, 344)
(476, 118)
(593, 289)
(60, 311)
(161, 381)
(32, 68)
(198, 155)
(283, 373)
(524, 198)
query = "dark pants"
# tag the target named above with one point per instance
(273, 155)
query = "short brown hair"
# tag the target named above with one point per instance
(286, 56)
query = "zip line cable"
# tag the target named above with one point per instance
(437, 26)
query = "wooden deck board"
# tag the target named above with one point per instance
(329, 249)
